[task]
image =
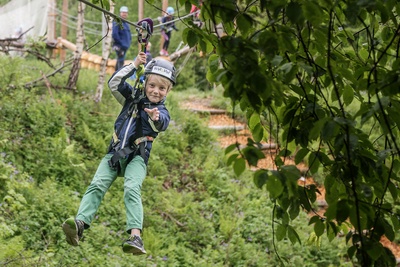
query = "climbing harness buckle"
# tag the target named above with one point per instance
(144, 32)
(132, 147)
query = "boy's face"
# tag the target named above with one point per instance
(156, 88)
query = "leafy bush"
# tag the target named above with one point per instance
(197, 213)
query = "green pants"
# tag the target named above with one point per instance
(134, 174)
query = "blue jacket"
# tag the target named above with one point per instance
(122, 91)
(121, 37)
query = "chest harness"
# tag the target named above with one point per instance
(135, 142)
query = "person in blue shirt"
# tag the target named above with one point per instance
(122, 38)
(143, 116)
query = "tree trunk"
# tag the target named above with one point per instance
(104, 56)
(73, 76)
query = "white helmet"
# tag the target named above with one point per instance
(123, 9)
(161, 67)
(170, 10)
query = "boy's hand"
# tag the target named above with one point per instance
(140, 59)
(154, 113)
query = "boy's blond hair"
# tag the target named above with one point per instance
(160, 79)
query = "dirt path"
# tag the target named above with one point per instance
(218, 119)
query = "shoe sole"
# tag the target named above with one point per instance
(70, 231)
(133, 250)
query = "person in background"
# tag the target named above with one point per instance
(167, 25)
(122, 38)
(143, 116)
(195, 10)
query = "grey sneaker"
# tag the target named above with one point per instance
(134, 245)
(73, 230)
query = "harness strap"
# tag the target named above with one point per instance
(138, 143)
(132, 112)
(143, 139)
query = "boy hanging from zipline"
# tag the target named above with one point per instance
(142, 118)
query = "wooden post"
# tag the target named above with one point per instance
(78, 51)
(164, 8)
(64, 29)
(104, 60)
(51, 26)
(140, 9)
(164, 5)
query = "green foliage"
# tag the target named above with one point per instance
(193, 73)
(196, 212)
(320, 77)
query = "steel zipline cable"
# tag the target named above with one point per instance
(111, 14)
(72, 20)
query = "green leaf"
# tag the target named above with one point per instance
(255, 101)
(348, 95)
(258, 133)
(260, 178)
(313, 162)
(252, 155)
(331, 211)
(289, 71)
(244, 23)
(331, 231)
(232, 158)
(276, 61)
(274, 185)
(192, 38)
(363, 54)
(342, 211)
(230, 148)
(254, 120)
(291, 172)
(319, 227)
(375, 251)
(280, 232)
(239, 166)
(314, 219)
(389, 232)
(188, 5)
(294, 12)
(313, 12)
(294, 209)
(292, 235)
(205, 46)
(304, 201)
(213, 63)
(395, 222)
(300, 155)
(330, 130)
(317, 129)
(351, 251)
(386, 34)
